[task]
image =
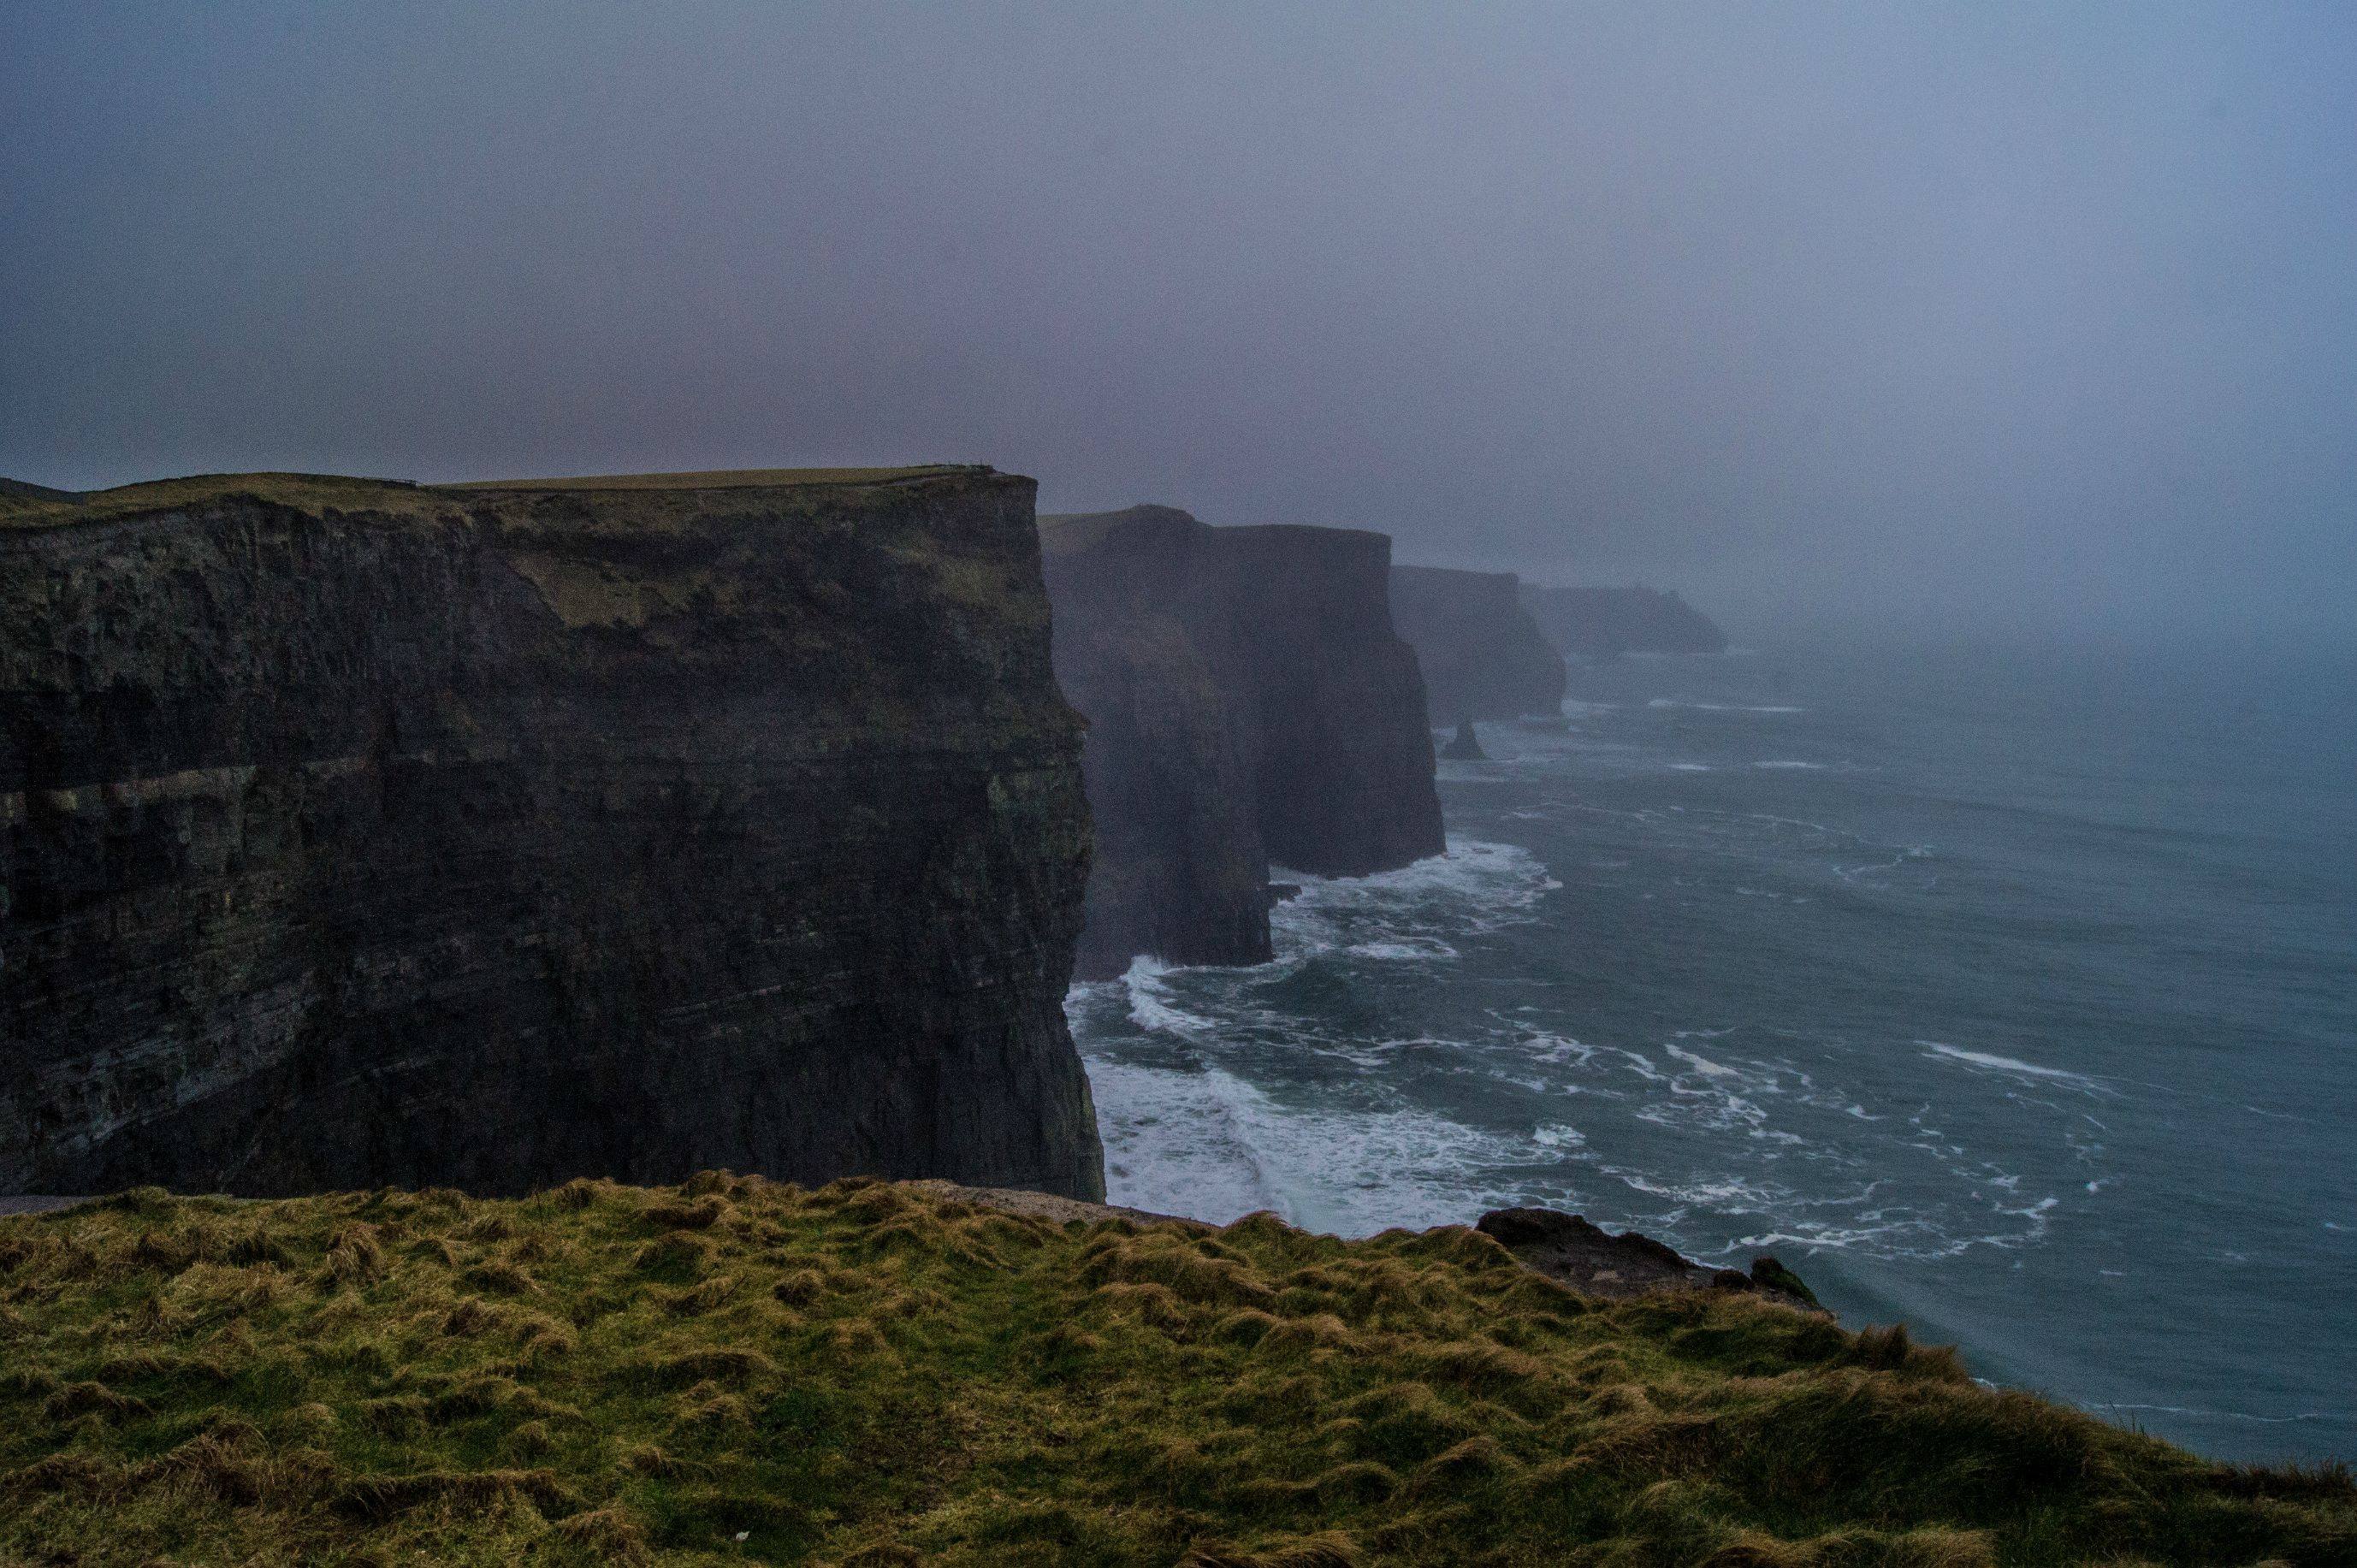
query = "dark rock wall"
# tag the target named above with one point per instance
(1482, 656)
(357, 834)
(1604, 623)
(1248, 702)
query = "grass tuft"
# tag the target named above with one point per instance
(735, 1370)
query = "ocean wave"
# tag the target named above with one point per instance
(1994, 1063)
(1223, 1091)
(1912, 852)
(1175, 1142)
(2293, 1418)
(1727, 707)
(1417, 947)
(1147, 986)
(1476, 887)
(1205, 1143)
(1783, 763)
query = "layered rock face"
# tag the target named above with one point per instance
(1604, 623)
(357, 833)
(1248, 702)
(1482, 656)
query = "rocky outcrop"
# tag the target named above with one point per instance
(1482, 656)
(1596, 1261)
(1248, 703)
(1604, 623)
(1465, 746)
(357, 833)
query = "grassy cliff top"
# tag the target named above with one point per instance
(15, 494)
(1071, 532)
(1066, 532)
(318, 493)
(726, 478)
(732, 1371)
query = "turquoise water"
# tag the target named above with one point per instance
(2014, 996)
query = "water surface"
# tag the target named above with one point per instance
(2013, 995)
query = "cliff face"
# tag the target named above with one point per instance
(1482, 656)
(1604, 623)
(358, 834)
(1248, 702)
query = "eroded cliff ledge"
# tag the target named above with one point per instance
(357, 833)
(1482, 654)
(1604, 623)
(1248, 702)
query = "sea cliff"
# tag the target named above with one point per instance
(358, 832)
(1482, 656)
(1604, 623)
(1249, 703)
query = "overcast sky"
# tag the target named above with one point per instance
(2012, 315)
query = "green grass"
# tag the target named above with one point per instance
(870, 1374)
(722, 478)
(320, 494)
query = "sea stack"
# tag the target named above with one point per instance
(362, 832)
(1482, 654)
(1465, 746)
(1248, 704)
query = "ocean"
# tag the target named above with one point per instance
(2009, 994)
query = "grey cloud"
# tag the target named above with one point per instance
(2001, 316)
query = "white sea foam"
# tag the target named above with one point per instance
(1782, 763)
(1210, 1104)
(1420, 948)
(1689, 766)
(1702, 1063)
(1727, 707)
(1174, 1142)
(1148, 987)
(2296, 1417)
(1995, 1063)
(1207, 1145)
(1912, 852)
(1476, 887)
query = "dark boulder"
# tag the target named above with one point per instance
(1594, 1260)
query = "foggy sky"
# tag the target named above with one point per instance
(2009, 316)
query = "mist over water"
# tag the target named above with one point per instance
(2011, 996)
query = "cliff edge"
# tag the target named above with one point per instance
(1604, 623)
(1249, 703)
(735, 1371)
(1482, 656)
(356, 833)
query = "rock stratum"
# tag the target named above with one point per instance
(1604, 623)
(1482, 654)
(1248, 703)
(357, 833)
